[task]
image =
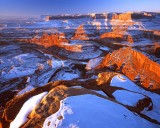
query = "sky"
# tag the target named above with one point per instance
(40, 7)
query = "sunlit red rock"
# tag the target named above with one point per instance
(50, 40)
(57, 39)
(133, 63)
(117, 36)
(123, 16)
(80, 34)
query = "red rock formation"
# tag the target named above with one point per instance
(48, 105)
(130, 39)
(132, 64)
(49, 40)
(123, 16)
(112, 35)
(119, 36)
(80, 34)
(119, 33)
(57, 39)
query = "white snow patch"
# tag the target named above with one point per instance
(124, 82)
(27, 107)
(56, 64)
(93, 63)
(17, 72)
(105, 48)
(100, 92)
(90, 111)
(67, 76)
(118, 81)
(127, 98)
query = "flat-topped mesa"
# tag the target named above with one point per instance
(122, 16)
(80, 34)
(58, 40)
(143, 15)
(119, 36)
(134, 64)
(49, 40)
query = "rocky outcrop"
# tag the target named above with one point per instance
(123, 16)
(117, 36)
(112, 35)
(80, 34)
(59, 90)
(51, 103)
(120, 33)
(49, 40)
(132, 64)
(115, 92)
(57, 39)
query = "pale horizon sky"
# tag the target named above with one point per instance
(54, 7)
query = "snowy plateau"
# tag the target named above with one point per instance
(80, 71)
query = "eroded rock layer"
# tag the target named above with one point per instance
(134, 64)
(104, 67)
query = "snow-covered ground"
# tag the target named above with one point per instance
(124, 82)
(90, 111)
(27, 107)
(128, 98)
(93, 63)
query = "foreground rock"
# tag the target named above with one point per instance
(52, 107)
(81, 111)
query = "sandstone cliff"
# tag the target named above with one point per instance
(123, 16)
(134, 64)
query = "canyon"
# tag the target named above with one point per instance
(93, 70)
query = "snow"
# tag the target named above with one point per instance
(27, 107)
(105, 48)
(18, 72)
(127, 97)
(100, 92)
(124, 82)
(57, 64)
(23, 55)
(93, 63)
(66, 76)
(19, 65)
(90, 111)
(97, 24)
(26, 89)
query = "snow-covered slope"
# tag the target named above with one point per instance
(91, 111)
(125, 83)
